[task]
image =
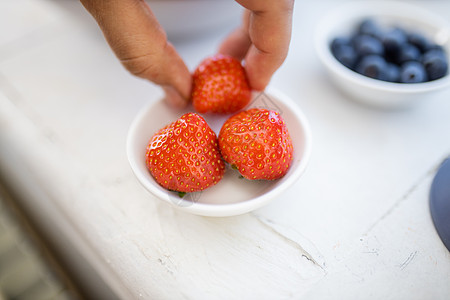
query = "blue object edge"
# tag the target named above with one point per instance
(440, 202)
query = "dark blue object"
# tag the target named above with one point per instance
(391, 54)
(392, 42)
(392, 73)
(338, 43)
(435, 47)
(435, 63)
(440, 202)
(373, 66)
(370, 27)
(344, 52)
(347, 56)
(412, 72)
(408, 52)
(420, 41)
(366, 45)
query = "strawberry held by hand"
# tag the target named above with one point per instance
(184, 156)
(257, 143)
(220, 85)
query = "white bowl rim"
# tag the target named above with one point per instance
(355, 9)
(230, 209)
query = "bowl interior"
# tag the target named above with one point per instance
(231, 195)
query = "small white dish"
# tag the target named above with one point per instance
(232, 195)
(342, 20)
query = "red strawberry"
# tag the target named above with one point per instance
(220, 85)
(257, 143)
(184, 156)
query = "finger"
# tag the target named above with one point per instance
(140, 43)
(270, 24)
(237, 42)
(173, 97)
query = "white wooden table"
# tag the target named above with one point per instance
(356, 226)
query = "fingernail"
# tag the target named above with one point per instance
(174, 98)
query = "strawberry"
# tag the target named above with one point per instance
(220, 85)
(184, 155)
(257, 143)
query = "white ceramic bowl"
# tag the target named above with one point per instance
(342, 20)
(187, 19)
(232, 195)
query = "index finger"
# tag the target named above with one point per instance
(269, 29)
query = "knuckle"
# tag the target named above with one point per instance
(138, 66)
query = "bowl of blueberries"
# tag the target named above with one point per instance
(384, 53)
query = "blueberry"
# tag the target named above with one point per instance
(435, 51)
(418, 40)
(435, 63)
(367, 45)
(344, 52)
(393, 41)
(412, 72)
(433, 46)
(369, 27)
(347, 56)
(392, 73)
(373, 66)
(338, 42)
(408, 52)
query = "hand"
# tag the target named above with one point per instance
(262, 40)
(141, 45)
